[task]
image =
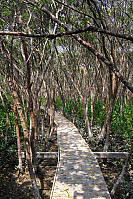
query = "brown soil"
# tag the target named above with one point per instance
(16, 185)
(111, 170)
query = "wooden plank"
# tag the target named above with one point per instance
(44, 155)
(47, 154)
(97, 154)
(111, 154)
(78, 174)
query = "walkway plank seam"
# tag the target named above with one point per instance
(78, 175)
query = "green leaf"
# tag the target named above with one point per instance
(43, 1)
(6, 13)
(26, 16)
(36, 7)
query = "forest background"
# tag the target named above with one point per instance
(72, 56)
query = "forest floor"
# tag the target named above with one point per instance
(15, 185)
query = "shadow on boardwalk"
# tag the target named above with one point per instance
(78, 174)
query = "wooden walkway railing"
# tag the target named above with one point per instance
(78, 174)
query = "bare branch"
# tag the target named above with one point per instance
(69, 32)
(22, 34)
(86, 44)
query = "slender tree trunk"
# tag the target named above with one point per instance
(52, 114)
(32, 139)
(60, 91)
(106, 145)
(30, 100)
(18, 142)
(123, 96)
(23, 123)
(87, 119)
(108, 119)
(42, 126)
(27, 146)
(92, 100)
(7, 126)
(25, 111)
(107, 122)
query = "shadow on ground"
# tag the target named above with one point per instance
(78, 175)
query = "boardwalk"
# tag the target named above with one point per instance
(78, 174)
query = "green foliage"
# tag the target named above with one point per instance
(26, 16)
(78, 109)
(7, 129)
(6, 13)
(100, 113)
(3, 122)
(73, 2)
(92, 37)
(85, 21)
(36, 7)
(42, 99)
(43, 1)
(69, 107)
(8, 146)
(7, 149)
(75, 107)
(82, 71)
(58, 103)
(123, 122)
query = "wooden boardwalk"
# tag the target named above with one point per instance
(78, 174)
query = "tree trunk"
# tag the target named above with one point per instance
(52, 114)
(30, 104)
(42, 126)
(92, 100)
(87, 119)
(27, 146)
(106, 145)
(18, 142)
(32, 139)
(108, 120)
(60, 91)
(113, 94)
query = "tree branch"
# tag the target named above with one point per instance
(86, 44)
(72, 8)
(69, 32)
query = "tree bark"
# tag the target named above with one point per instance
(107, 123)
(30, 104)
(18, 142)
(87, 119)
(27, 146)
(92, 100)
